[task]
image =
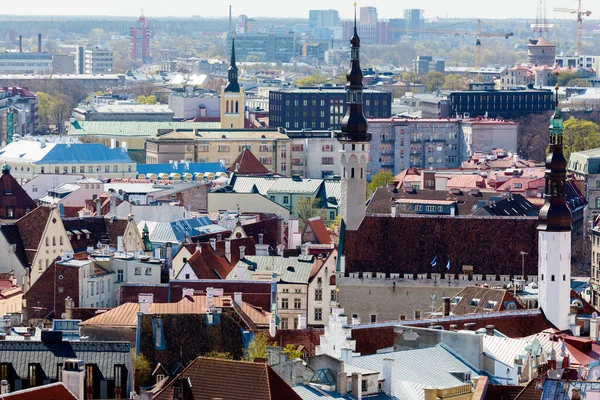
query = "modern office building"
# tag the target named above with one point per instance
(268, 47)
(323, 18)
(140, 35)
(98, 61)
(25, 63)
(425, 64)
(500, 103)
(321, 107)
(368, 15)
(414, 21)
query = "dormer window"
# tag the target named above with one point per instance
(474, 302)
(456, 300)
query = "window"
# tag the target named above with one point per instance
(284, 323)
(266, 160)
(32, 375)
(286, 200)
(10, 212)
(4, 371)
(327, 148)
(138, 270)
(148, 271)
(120, 275)
(297, 304)
(318, 314)
(82, 170)
(224, 148)
(363, 385)
(333, 295)
(373, 318)
(107, 168)
(331, 215)
(296, 323)
(319, 295)
(327, 160)
(285, 304)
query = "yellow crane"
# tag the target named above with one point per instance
(580, 13)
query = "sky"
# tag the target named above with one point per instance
(285, 8)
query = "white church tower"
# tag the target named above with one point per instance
(354, 139)
(554, 230)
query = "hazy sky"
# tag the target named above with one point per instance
(286, 8)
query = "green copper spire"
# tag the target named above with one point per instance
(146, 238)
(5, 169)
(556, 121)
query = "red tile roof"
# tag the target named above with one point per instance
(13, 195)
(52, 391)
(213, 378)
(207, 264)
(315, 228)
(31, 229)
(307, 338)
(247, 164)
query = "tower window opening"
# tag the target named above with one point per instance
(552, 278)
(564, 277)
(353, 147)
(361, 173)
(352, 173)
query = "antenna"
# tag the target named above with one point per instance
(541, 23)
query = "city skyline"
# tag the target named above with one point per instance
(178, 8)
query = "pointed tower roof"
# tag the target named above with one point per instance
(247, 164)
(354, 124)
(555, 216)
(232, 72)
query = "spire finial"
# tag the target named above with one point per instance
(556, 95)
(355, 17)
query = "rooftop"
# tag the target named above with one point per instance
(40, 152)
(128, 128)
(288, 269)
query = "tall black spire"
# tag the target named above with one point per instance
(354, 124)
(555, 216)
(232, 77)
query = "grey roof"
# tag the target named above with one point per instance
(177, 231)
(291, 185)
(129, 128)
(245, 184)
(103, 354)
(419, 368)
(585, 162)
(308, 392)
(289, 269)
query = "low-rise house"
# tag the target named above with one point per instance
(71, 197)
(11, 295)
(46, 392)
(41, 184)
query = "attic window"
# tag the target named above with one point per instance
(474, 302)
(291, 268)
(456, 300)
(490, 305)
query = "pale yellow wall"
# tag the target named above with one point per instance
(178, 262)
(132, 240)
(13, 304)
(54, 241)
(232, 119)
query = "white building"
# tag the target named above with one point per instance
(315, 154)
(98, 61)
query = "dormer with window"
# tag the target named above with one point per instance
(474, 303)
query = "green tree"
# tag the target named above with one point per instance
(580, 135)
(311, 80)
(151, 99)
(292, 351)
(383, 178)
(307, 208)
(565, 76)
(219, 354)
(257, 348)
(409, 77)
(578, 82)
(54, 110)
(433, 81)
(252, 58)
(140, 362)
(455, 82)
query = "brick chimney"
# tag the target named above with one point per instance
(242, 252)
(357, 385)
(446, 307)
(469, 326)
(489, 330)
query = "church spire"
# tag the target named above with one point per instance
(555, 216)
(232, 72)
(354, 124)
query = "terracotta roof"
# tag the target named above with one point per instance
(125, 315)
(309, 338)
(396, 245)
(52, 391)
(316, 229)
(207, 264)
(244, 380)
(479, 299)
(13, 195)
(247, 164)
(466, 182)
(530, 391)
(31, 229)
(502, 392)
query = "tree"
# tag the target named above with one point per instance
(257, 348)
(292, 351)
(578, 82)
(141, 363)
(54, 110)
(580, 135)
(252, 58)
(433, 81)
(146, 99)
(533, 136)
(311, 80)
(383, 178)
(565, 76)
(409, 77)
(308, 208)
(219, 354)
(455, 82)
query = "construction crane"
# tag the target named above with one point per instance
(477, 34)
(580, 13)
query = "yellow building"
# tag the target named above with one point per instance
(271, 147)
(232, 98)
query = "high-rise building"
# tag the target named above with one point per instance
(232, 97)
(368, 15)
(98, 61)
(355, 140)
(323, 18)
(554, 234)
(140, 35)
(414, 21)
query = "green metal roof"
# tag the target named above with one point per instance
(288, 269)
(129, 128)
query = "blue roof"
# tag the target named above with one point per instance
(182, 168)
(84, 153)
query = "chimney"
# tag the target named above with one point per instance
(261, 238)
(187, 292)
(388, 376)
(446, 306)
(273, 325)
(98, 207)
(280, 250)
(39, 42)
(73, 377)
(113, 205)
(489, 330)
(347, 356)
(357, 385)
(213, 243)
(4, 387)
(144, 307)
(394, 209)
(355, 321)
(169, 257)
(228, 249)
(237, 298)
(210, 301)
(342, 383)
(68, 308)
(20, 44)
(469, 326)
(242, 252)
(301, 321)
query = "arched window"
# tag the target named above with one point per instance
(60, 240)
(352, 173)
(236, 107)
(227, 106)
(552, 278)
(53, 240)
(47, 241)
(564, 277)
(361, 173)
(542, 276)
